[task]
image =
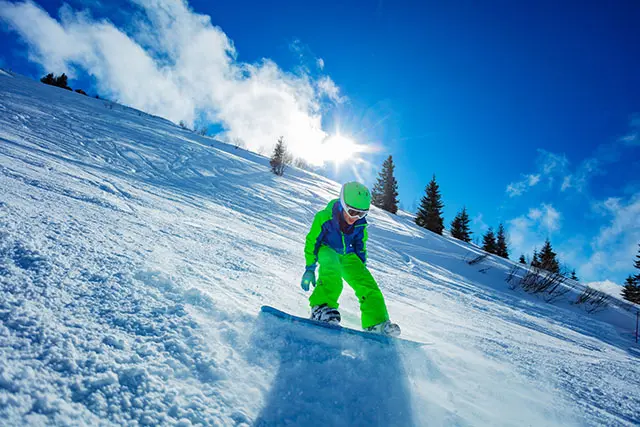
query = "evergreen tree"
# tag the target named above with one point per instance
(535, 261)
(631, 291)
(489, 243)
(429, 213)
(573, 275)
(548, 258)
(385, 191)
(278, 160)
(636, 264)
(522, 260)
(61, 80)
(460, 226)
(501, 243)
(48, 79)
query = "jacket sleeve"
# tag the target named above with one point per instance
(313, 239)
(360, 243)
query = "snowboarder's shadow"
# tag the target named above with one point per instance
(330, 379)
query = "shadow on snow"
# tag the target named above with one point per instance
(326, 378)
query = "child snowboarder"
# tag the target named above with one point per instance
(338, 242)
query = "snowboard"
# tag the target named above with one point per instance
(337, 328)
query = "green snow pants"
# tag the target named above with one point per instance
(333, 268)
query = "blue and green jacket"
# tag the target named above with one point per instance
(330, 229)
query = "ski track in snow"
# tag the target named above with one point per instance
(134, 257)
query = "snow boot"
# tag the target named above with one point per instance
(385, 328)
(324, 313)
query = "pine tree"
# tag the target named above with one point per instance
(62, 81)
(48, 79)
(501, 243)
(460, 226)
(429, 213)
(385, 191)
(573, 275)
(535, 261)
(631, 291)
(636, 264)
(489, 243)
(59, 81)
(548, 258)
(278, 160)
(522, 260)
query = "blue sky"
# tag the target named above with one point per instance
(527, 112)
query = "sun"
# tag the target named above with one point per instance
(338, 149)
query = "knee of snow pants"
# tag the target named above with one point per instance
(372, 306)
(335, 267)
(329, 284)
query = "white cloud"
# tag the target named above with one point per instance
(320, 63)
(517, 188)
(327, 87)
(608, 206)
(546, 216)
(550, 218)
(633, 136)
(608, 287)
(549, 164)
(625, 222)
(527, 232)
(478, 221)
(614, 247)
(535, 214)
(521, 234)
(174, 63)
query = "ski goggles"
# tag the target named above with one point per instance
(356, 213)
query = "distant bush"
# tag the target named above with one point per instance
(80, 91)
(538, 281)
(593, 300)
(48, 79)
(302, 164)
(477, 259)
(58, 81)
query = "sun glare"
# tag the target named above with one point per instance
(338, 149)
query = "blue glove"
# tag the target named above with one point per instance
(309, 277)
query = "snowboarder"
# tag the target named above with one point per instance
(338, 242)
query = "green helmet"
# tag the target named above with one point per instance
(355, 195)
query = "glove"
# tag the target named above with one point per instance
(309, 277)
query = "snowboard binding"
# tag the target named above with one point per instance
(324, 313)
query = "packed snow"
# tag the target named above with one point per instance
(135, 257)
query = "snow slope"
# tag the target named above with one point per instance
(134, 258)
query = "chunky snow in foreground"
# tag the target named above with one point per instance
(135, 256)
